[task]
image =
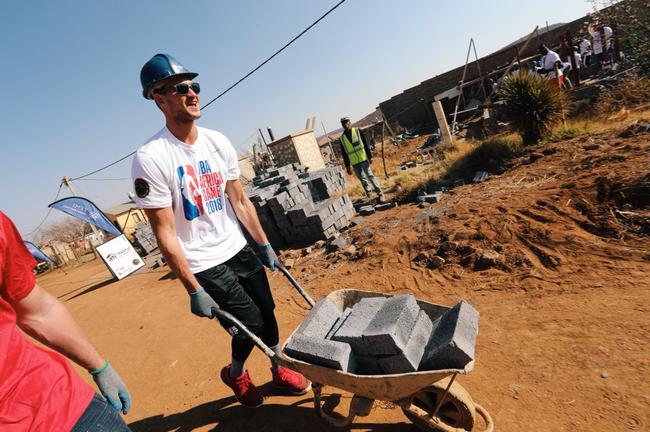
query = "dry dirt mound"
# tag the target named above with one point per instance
(554, 253)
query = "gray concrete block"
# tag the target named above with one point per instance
(335, 245)
(411, 356)
(323, 352)
(453, 342)
(367, 365)
(352, 329)
(320, 319)
(385, 206)
(346, 313)
(430, 198)
(480, 176)
(389, 330)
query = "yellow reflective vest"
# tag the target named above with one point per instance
(354, 148)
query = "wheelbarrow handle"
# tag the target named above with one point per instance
(228, 317)
(296, 285)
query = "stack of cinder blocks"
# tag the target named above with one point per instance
(385, 335)
(296, 206)
(145, 238)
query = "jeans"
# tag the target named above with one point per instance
(362, 170)
(100, 416)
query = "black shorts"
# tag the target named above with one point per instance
(240, 287)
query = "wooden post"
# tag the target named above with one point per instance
(383, 160)
(617, 45)
(445, 135)
(392, 134)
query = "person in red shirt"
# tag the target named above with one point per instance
(39, 390)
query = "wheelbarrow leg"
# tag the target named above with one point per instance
(359, 406)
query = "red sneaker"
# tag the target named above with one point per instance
(292, 381)
(244, 389)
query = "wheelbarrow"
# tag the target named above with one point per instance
(432, 400)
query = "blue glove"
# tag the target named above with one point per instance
(268, 256)
(112, 388)
(201, 304)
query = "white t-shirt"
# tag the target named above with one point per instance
(191, 178)
(548, 62)
(598, 46)
(576, 57)
(585, 46)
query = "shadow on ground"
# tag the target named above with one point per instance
(228, 415)
(93, 288)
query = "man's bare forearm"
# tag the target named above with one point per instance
(173, 253)
(247, 215)
(47, 320)
(162, 223)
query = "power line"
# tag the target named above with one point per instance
(104, 179)
(276, 53)
(47, 214)
(103, 168)
(233, 85)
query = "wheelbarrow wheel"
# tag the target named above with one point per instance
(456, 414)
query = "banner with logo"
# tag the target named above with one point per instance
(86, 210)
(120, 257)
(38, 254)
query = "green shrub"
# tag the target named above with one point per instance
(489, 155)
(533, 105)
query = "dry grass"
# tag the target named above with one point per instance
(459, 160)
(464, 158)
(629, 92)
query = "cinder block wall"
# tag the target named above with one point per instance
(308, 151)
(412, 108)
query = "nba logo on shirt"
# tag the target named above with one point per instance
(190, 191)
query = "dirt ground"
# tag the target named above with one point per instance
(554, 253)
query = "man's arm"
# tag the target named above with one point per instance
(162, 223)
(46, 319)
(245, 211)
(346, 159)
(366, 145)
(247, 215)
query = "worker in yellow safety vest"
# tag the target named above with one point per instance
(357, 155)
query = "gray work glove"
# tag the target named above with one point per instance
(268, 256)
(112, 388)
(201, 304)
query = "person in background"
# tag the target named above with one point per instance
(574, 74)
(551, 64)
(357, 155)
(601, 48)
(39, 390)
(585, 50)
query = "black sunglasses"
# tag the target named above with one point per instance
(182, 88)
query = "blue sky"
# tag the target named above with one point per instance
(70, 73)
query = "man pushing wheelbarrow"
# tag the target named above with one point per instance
(181, 177)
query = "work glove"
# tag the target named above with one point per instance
(112, 388)
(269, 258)
(201, 304)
